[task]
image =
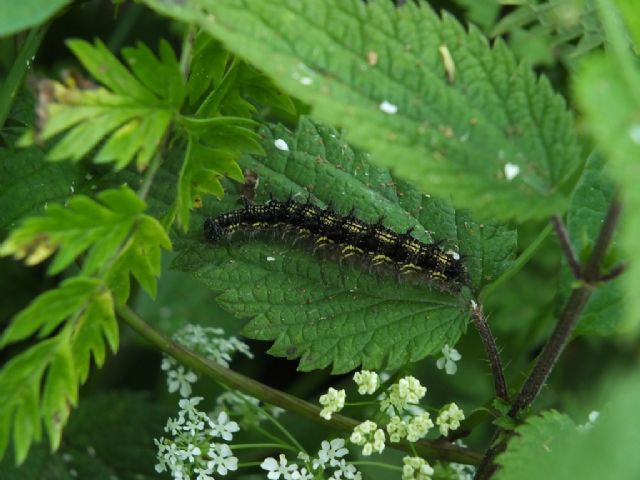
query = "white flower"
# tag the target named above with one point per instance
(407, 391)
(368, 382)
(369, 436)
(302, 474)
(346, 469)
(449, 418)
(419, 426)
(464, 472)
(276, 468)
(181, 379)
(448, 360)
(332, 401)
(593, 416)
(223, 427)
(416, 468)
(204, 473)
(221, 459)
(190, 453)
(330, 452)
(188, 407)
(397, 429)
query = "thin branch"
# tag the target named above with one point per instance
(567, 248)
(249, 386)
(613, 273)
(559, 338)
(491, 350)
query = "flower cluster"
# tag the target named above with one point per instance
(191, 452)
(368, 382)
(449, 418)
(416, 468)
(332, 401)
(408, 391)
(208, 342)
(369, 436)
(329, 461)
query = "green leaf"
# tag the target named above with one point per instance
(387, 75)
(128, 119)
(603, 313)
(27, 14)
(97, 227)
(550, 447)
(41, 384)
(140, 257)
(28, 184)
(540, 441)
(328, 313)
(108, 436)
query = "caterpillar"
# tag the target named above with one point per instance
(348, 235)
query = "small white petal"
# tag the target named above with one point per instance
(511, 171)
(271, 259)
(388, 107)
(281, 145)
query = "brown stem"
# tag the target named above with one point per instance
(488, 341)
(559, 338)
(565, 244)
(613, 273)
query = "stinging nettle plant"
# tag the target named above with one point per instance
(386, 116)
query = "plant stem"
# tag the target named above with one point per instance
(559, 338)
(490, 348)
(249, 386)
(365, 463)
(11, 84)
(565, 244)
(282, 446)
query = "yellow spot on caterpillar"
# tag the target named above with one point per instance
(380, 259)
(447, 60)
(410, 267)
(349, 250)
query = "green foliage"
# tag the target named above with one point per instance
(457, 112)
(603, 314)
(28, 183)
(327, 313)
(608, 87)
(126, 422)
(549, 446)
(543, 32)
(133, 112)
(542, 440)
(27, 14)
(41, 383)
(74, 320)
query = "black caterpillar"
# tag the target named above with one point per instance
(346, 233)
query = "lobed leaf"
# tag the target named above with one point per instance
(437, 104)
(327, 313)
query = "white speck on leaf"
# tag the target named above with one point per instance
(511, 171)
(453, 254)
(388, 107)
(281, 145)
(271, 259)
(634, 133)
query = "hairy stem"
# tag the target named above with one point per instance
(490, 348)
(567, 248)
(267, 394)
(590, 275)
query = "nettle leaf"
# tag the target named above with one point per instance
(330, 313)
(437, 104)
(542, 440)
(28, 184)
(40, 385)
(84, 225)
(128, 118)
(603, 313)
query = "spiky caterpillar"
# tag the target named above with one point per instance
(347, 234)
